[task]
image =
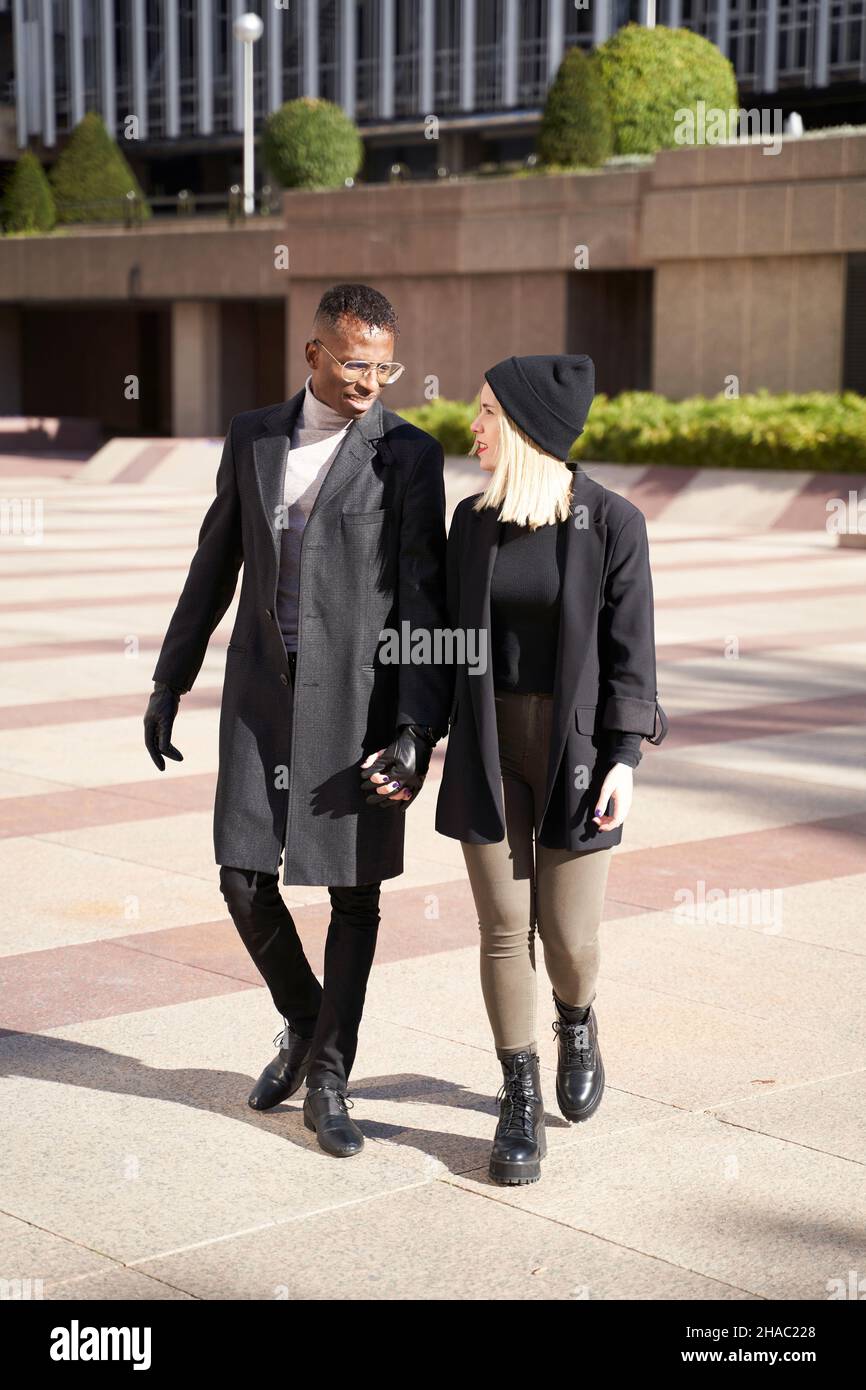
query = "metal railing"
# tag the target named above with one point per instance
(132, 211)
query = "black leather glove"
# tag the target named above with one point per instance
(405, 761)
(158, 721)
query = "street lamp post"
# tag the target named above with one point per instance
(650, 14)
(247, 29)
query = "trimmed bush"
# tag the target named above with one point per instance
(817, 432)
(28, 204)
(447, 421)
(310, 143)
(576, 127)
(651, 74)
(91, 178)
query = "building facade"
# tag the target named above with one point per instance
(482, 67)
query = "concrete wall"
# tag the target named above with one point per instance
(774, 322)
(748, 252)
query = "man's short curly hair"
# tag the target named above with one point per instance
(360, 302)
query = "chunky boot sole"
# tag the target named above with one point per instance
(514, 1174)
(576, 1116)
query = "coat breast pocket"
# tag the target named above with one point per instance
(352, 519)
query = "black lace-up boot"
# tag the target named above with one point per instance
(326, 1111)
(520, 1142)
(580, 1070)
(287, 1072)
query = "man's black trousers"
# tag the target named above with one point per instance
(331, 1013)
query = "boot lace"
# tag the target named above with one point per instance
(343, 1101)
(578, 1046)
(516, 1097)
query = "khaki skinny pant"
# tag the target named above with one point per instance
(520, 886)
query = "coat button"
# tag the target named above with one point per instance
(284, 678)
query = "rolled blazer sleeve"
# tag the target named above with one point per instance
(210, 583)
(627, 635)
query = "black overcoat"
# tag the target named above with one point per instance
(372, 557)
(605, 670)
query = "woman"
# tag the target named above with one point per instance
(549, 572)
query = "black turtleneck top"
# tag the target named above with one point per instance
(525, 603)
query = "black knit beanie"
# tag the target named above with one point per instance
(548, 397)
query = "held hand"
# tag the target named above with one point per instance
(158, 721)
(396, 773)
(618, 786)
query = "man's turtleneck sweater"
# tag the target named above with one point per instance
(316, 438)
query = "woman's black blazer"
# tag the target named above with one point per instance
(605, 670)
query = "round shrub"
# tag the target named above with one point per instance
(576, 127)
(91, 178)
(652, 74)
(309, 143)
(28, 204)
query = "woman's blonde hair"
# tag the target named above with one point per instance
(534, 488)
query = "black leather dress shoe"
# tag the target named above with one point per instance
(286, 1074)
(520, 1142)
(326, 1113)
(580, 1070)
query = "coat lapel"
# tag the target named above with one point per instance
(578, 626)
(271, 453)
(479, 574)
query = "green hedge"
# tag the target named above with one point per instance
(818, 432)
(650, 74)
(576, 127)
(309, 143)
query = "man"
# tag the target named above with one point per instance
(335, 507)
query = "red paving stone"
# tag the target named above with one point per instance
(82, 711)
(758, 645)
(758, 721)
(808, 510)
(80, 808)
(781, 595)
(658, 486)
(92, 646)
(775, 858)
(139, 468)
(72, 984)
(98, 979)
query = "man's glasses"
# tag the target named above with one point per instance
(386, 372)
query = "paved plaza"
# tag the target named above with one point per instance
(727, 1158)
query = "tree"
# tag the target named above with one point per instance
(91, 178)
(28, 203)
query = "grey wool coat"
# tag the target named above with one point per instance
(372, 557)
(605, 676)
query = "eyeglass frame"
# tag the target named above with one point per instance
(367, 366)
